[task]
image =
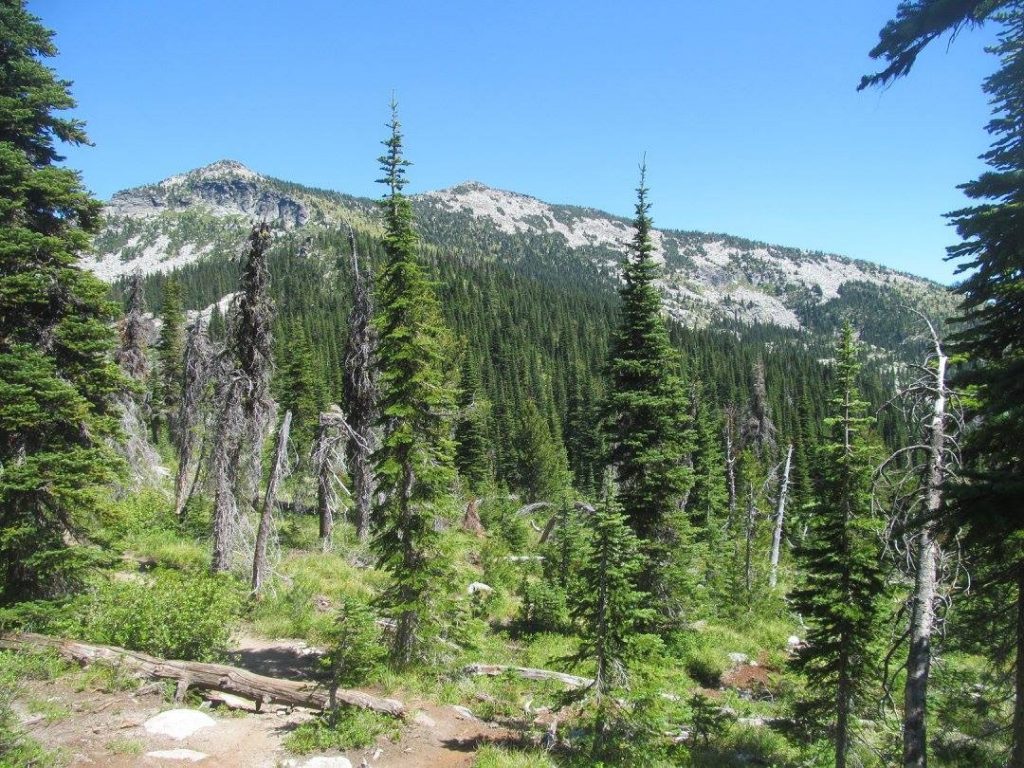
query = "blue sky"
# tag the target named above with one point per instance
(747, 111)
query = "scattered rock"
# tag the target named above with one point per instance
(327, 762)
(479, 586)
(793, 642)
(463, 712)
(178, 723)
(178, 754)
(739, 658)
(422, 718)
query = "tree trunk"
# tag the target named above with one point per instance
(1017, 756)
(730, 464)
(922, 611)
(224, 468)
(748, 551)
(218, 677)
(529, 673)
(842, 714)
(922, 617)
(259, 561)
(780, 512)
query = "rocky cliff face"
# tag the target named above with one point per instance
(206, 213)
(225, 188)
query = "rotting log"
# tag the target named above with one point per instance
(218, 677)
(494, 670)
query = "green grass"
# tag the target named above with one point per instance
(51, 710)
(125, 747)
(497, 757)
(351, 729)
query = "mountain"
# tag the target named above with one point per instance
(708, 279)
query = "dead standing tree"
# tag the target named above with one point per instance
(361, 392)
(328, 465)
(244, 405)
(131, 355)
(278, 472)
(192, 414)
(915, 477)
(252, 342)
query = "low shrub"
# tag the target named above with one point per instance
(168, 615)
(346, 728)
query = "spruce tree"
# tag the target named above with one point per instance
(842, 575)
(301, 390)
(608, 607)
(57, 374)
(991, 501)
(472, 457)
(646, 409)
(415, 462)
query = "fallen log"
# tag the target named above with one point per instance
(494, 670)
(218, 677)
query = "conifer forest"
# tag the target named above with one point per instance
(410, 481)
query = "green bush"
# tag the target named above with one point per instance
(172, 615)
(543, 608)
(355, 646)
(347, 728)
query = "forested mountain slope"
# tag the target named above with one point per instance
(707, 278)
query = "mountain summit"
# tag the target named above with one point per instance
(205, 213)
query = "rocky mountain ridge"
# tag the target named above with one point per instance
(205, 213)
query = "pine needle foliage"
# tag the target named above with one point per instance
(841, 561)
(646, 408)
(608, 607)
(57, 373)
(415, 462)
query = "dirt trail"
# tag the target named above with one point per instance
(106, 729)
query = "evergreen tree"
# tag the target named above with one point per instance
(543, 471)
(646, 409)
(170, 355)
(415, 462)
(991, 502)
(57, 373)
(607, 606)
(471, 456)
(301, 390)
(842, 577)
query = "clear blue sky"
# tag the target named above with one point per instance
(747, 110)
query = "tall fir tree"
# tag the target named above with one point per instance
(472, 457)
(841, 561)
(300, 390)
(415, 462)
(990, 503)
(57, 373)
(608, 607)
(646, 410)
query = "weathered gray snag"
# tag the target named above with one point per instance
(328, 463)
(277, 473)
(922, 609)
(218, 677)
(224, 468)
(135, 331)
(361, 392)
(529, 673)
(780, 514)
(191, 412)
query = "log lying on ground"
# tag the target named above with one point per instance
(493, 670)
(218, 677)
